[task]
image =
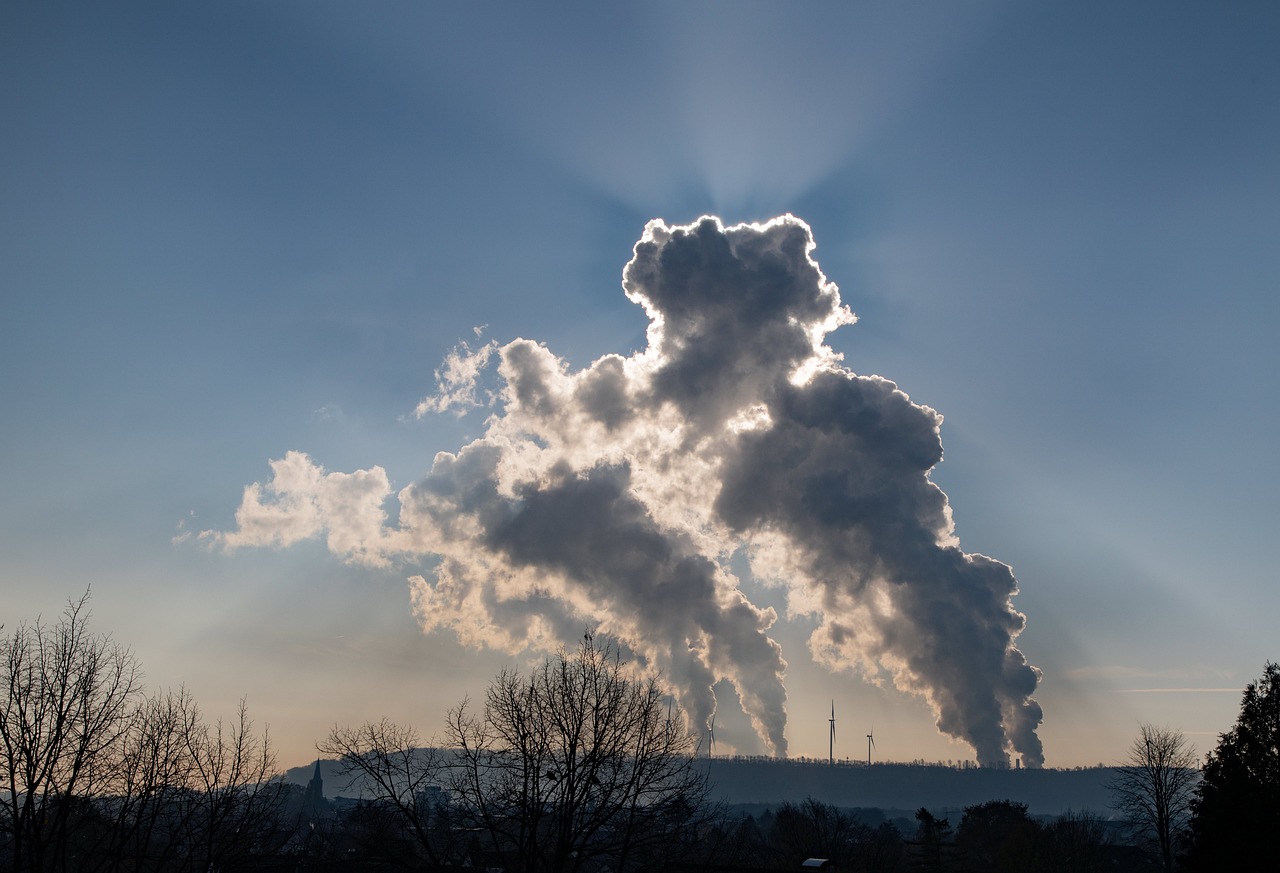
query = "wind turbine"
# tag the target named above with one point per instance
(831, 739)
(711, 736)
(871, 744)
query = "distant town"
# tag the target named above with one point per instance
(759, 781)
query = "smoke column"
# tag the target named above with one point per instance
(614, 494)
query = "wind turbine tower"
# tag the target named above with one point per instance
(871, 744)
(831, 738)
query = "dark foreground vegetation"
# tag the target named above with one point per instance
(575, 766)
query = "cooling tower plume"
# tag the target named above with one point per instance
(612, 496)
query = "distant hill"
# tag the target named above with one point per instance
(910, 786)
(886, 786)
(334, 782)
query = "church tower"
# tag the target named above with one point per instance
(313, 802)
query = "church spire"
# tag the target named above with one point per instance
(313, 802)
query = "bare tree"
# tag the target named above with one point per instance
(237, 791)
(149, 804)
(1154, 786)
(1076, 842)
(65, 701)
(813, 828)
(385, 762)
(576, 765)
(97, 776)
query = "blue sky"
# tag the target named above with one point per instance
(235, 230)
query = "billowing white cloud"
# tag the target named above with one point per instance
(614, 496)
(303, 501)
(456, 379)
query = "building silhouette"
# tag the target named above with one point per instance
(313, 803)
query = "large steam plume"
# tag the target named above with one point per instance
(614, 496)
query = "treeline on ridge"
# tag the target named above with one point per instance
(574, 766)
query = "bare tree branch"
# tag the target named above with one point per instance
(1154, 787)
(575, 764)
(67, 696)
(385, 761)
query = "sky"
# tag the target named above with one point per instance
(238, 239)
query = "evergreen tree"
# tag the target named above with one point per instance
(1236, 811)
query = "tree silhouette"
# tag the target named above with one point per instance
(65, 701)
(1153, 788)
(998, 835)
(1076, 842)
(932, 833)
(96, 776)
(575, 765)
(1236, 810)
(815, 829)
(387, 763)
